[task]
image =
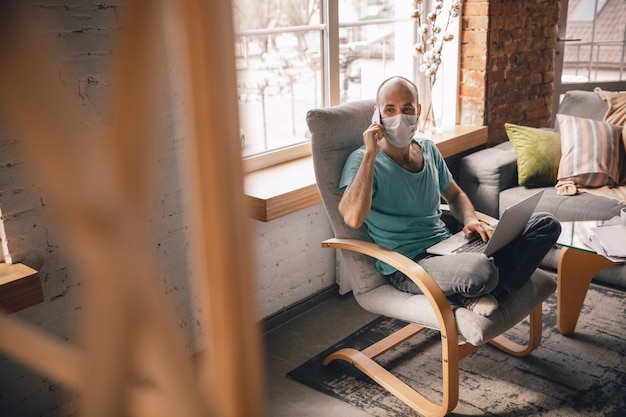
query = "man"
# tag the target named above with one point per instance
(393, 184)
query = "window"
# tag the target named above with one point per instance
(5, 256)
(596, 41)
(295, 55)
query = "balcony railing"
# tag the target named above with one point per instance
(595, 61)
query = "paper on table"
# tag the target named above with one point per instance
(612, 239)
(595, 244)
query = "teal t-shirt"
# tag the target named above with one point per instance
(405, 215)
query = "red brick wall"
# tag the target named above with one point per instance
(507, 63)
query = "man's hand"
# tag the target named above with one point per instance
(371, 136)
(478, 228)
(356, 201)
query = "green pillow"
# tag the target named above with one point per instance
(538, 154)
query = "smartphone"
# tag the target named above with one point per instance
(376, 117)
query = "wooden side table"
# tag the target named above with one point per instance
(577, 265)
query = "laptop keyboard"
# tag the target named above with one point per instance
(473, 246)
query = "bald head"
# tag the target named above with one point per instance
(396, 82)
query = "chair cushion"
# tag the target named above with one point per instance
(538, 154)
(473, 328)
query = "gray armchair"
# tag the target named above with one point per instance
(336, 132)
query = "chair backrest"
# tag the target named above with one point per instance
(336, 132)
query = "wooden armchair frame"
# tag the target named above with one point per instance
(452, 350)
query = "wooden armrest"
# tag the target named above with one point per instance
(411, 269)
(481, 216)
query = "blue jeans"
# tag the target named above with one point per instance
(475, 274)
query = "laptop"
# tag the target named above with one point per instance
(510, 226)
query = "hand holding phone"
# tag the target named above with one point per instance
(376, 117)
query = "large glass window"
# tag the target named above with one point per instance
(595, 48)
(278, 70)
(375, 42)
(295, 55)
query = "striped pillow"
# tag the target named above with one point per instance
(589, 151)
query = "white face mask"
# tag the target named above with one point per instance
(399, 129)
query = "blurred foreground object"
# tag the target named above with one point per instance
(132, 359)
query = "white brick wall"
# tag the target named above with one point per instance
(290, 264)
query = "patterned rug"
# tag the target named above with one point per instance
(579, 375)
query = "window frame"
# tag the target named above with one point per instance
(330, 73)
(5, 255)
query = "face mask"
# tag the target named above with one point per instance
(399, 129)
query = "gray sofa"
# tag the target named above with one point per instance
(489, 177)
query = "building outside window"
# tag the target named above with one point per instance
(595, 48)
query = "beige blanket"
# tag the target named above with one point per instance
(616, 193)
(616, 114)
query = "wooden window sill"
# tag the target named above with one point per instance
(20, 287)
(286, 188)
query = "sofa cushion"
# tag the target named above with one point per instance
(483, 174)
(582, 206)
(538, 154)
(585, 104)
(590, 151)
